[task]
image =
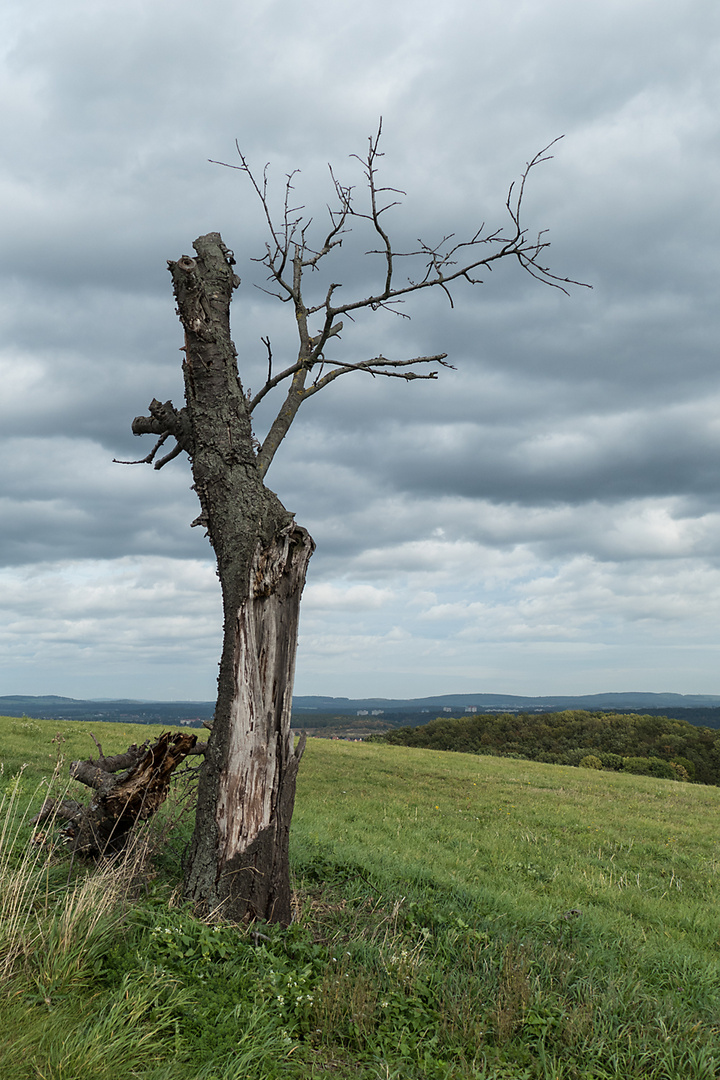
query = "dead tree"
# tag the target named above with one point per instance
(128, 788)
(238, 863)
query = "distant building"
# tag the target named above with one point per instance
(362, 712)
(377, 712)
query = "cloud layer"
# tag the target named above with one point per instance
(543, 519)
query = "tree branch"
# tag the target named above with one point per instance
(164, 420)
(442, 265)
(63, 809)
(275, 381)
(148, 459)
(376, 366)
(299, 393)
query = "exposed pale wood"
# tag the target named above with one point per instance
(247, 780)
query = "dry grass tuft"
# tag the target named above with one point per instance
(51, 916)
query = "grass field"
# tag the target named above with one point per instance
(456, 917)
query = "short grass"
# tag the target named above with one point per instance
(456, 917)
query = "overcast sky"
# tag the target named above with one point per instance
(543, 519)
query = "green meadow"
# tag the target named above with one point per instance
(456, 916)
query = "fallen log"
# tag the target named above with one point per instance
(128, 788)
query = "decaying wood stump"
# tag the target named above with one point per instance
(128, 788)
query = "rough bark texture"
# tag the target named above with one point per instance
(238, 862)
(122, 798)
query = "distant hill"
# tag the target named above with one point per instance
(510, 702)
(51, 707)
(701, 710)
(314, 711)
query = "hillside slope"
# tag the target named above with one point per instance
(458, 917)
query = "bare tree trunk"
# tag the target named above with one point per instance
(238, 863)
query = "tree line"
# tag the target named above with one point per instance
(646, 745)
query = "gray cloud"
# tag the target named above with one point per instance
(554, 498)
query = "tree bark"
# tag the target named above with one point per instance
(238, 863)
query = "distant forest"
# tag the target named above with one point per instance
(647, 745)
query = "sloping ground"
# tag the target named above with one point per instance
(456, 916)
(530, 841)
